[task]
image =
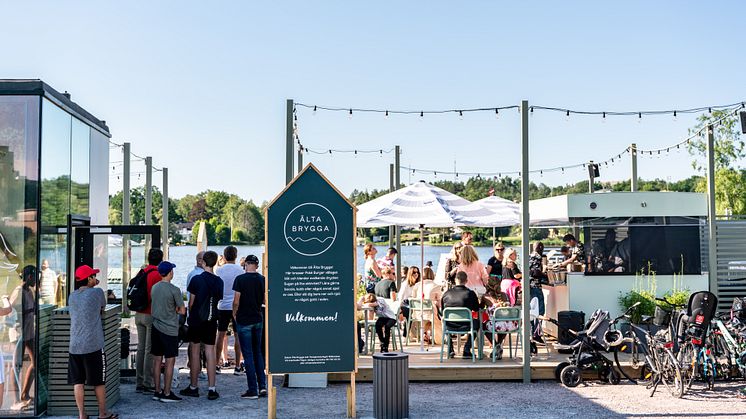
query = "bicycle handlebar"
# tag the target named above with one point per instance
(673, 305)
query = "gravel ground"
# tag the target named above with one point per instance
(543, 399)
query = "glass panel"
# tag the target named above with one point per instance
(79, 167)
(19, 181)
(55, 165)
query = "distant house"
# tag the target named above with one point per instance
(185, 230)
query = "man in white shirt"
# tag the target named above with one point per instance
(228, 274)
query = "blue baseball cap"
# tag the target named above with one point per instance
(165, 267)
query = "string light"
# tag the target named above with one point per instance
(461, 115)
(497, 113)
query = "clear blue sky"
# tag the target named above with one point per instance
(201, 86)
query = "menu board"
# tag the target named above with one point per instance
(310, 245)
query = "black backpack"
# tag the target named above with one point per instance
(137, 291)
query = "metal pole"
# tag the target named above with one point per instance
(633, 154)
(591, 172)
(711, 221)
(148, 200)
(397, 183)
(300, 158)
(525, 305)
(125, 221)
(164, 214)
(391, 189)
(289, 141)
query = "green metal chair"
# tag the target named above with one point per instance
(458, 315)
(414, 313)
(501, 315)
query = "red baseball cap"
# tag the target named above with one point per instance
(84, 272)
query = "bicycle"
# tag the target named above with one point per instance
(653, 360)
(729, 344)
(695, 356)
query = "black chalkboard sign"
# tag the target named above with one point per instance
(310, 245)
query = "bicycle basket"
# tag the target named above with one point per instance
(662, 317)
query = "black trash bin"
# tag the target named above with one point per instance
(391, 385)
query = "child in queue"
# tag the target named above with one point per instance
(386, 318)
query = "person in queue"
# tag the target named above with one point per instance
(577, 251)
(203, 289)
(405, 292)
(228, 273)
(511, 282)
(167, 304)
(198, 269)
(474, 269)
(386, 287)
(87, 359)
(538, 276)
(461, 296)
(144, 323)
(385, 321)
(452, 262)
(248, 299)
(372, 271)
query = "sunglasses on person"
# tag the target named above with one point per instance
(500, 249)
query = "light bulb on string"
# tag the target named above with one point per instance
(386, 115)
(674, 116)
(350, 114)
(314, 110)
(461, 115)
(422, 115)
(639, 117)
(567, 115)
(497, 113)
(603, 119)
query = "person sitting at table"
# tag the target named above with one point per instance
(405, 292)
(475, 270)
(461, 296)
(386, 319)
(511, 282)
(493, 300)
(577, 251)
(386, 287)
(495, 266)
(431, 292)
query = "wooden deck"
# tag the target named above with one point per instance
(427, 367)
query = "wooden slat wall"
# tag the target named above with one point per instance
(61, 397)
(731, 247)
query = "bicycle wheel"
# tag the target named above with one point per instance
(638, 371)
(671, 373)
(688, 364)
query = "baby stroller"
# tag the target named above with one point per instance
(587, 353)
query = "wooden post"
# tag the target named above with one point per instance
(271, 399)
(351, 399)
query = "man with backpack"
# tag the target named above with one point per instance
(138, 300)
(205, 290)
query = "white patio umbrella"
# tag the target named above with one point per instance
(509, 211)
(420, 205)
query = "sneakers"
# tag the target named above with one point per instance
(212, 395)
(158, 396)
(240, 370)
(171, 398)
(144, 389)
(250, 395)
(189, 391)
(262, 392)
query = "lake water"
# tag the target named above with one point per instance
(183, 257)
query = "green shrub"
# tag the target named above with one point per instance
(646, 307)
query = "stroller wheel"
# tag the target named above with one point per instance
(613, 376)
(571, 376)
(558, 370)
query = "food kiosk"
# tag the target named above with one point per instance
(651, 240)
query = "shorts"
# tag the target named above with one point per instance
(87, 369)
(163, 345)
(225, 318)
(205, 332)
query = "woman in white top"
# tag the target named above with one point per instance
(405, 291)
(432, 293)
